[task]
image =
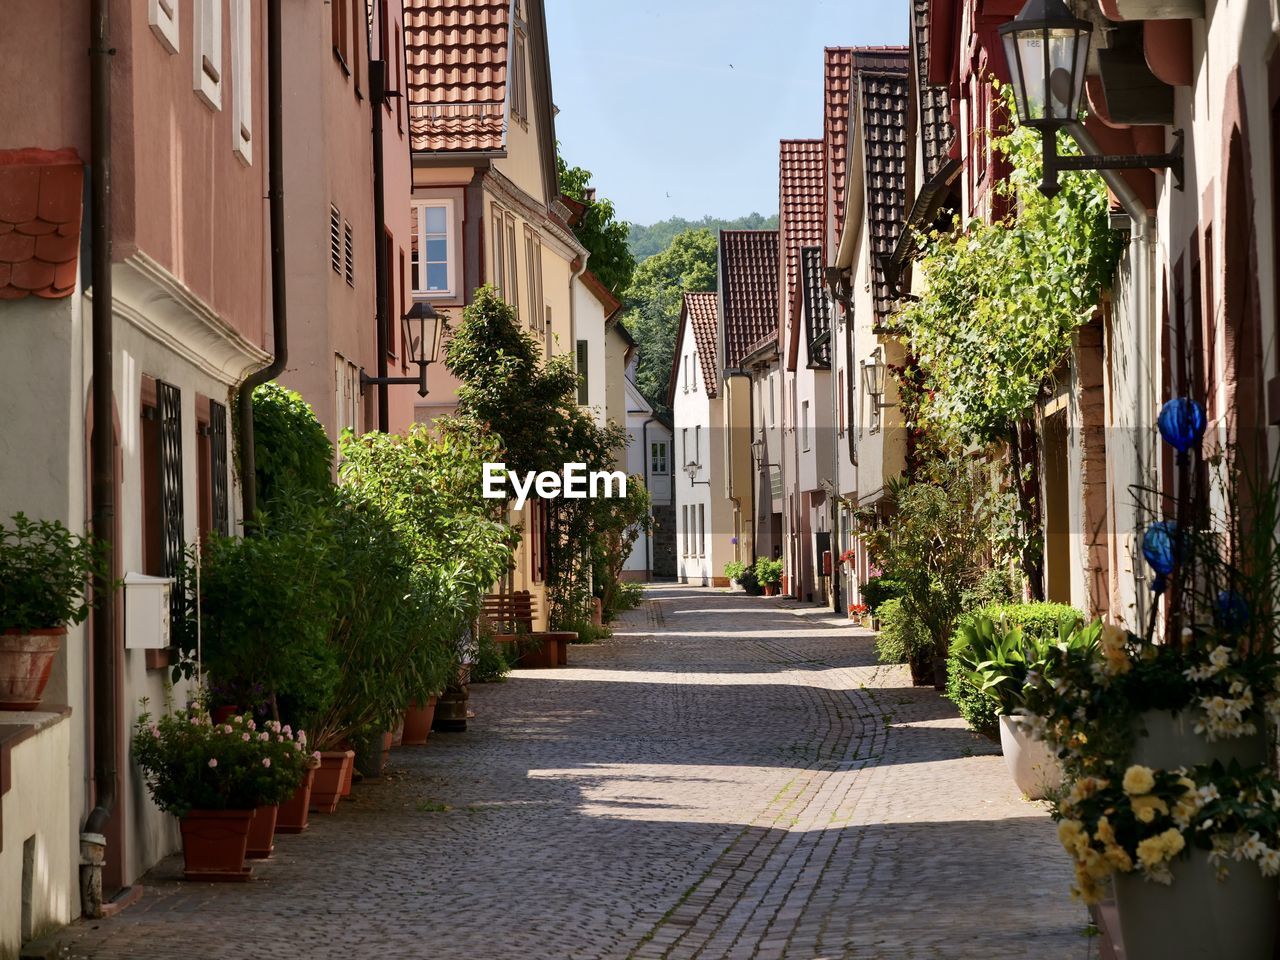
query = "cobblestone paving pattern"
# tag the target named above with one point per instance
(721, 779)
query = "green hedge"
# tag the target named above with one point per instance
(1037, 620)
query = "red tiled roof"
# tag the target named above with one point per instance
(456, 61)
(839, 65)
(701, 308)
(749, 289)
(883, 105)
(41, 194)
(935, 101)
(800, 218)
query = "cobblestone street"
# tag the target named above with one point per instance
(721, 779)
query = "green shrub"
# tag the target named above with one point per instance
(493, 659)
(903, 637)
(750, 582)
(44, 575)
(879, 589)
(1038, 623)
(291, 452)
(768, 572)
(626, 596)
(734, 569)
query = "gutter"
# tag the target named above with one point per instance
(644, 462)
(279, 325)
(105, 732)
(377, 97)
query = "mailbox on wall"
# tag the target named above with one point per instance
(146, 611)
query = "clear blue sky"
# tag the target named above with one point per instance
(650, 103)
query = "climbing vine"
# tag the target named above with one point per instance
(1003, 300)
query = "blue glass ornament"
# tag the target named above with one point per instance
(1232, 611)
(1159, 547)
(1181, 423)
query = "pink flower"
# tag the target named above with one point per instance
(286, 731)
(195, 721)
(237, 719)
(264, 737)
(316, 755)
(213, 761)
(245, 737)
(252, 725)
(227, 728)
(266, 761)
(155, 731)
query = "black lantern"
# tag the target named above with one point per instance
(422, 329)
(1047, 48)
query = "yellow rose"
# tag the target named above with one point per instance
(1119, 858)
(1072, 836)
(1138, 779)
(1146, 808)
(1105, 834)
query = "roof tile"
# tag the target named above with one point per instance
(935, 101)
(749, 289)
(883, 102)
(701, 308)
(456, 61)
(41, 193)
(800, 221)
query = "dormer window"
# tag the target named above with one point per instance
(519, 66)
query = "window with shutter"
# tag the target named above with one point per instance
(499, 262)
(432, 249)
(583, 392)
(242, 78)
(348, 254)
(512, 285)
(169, 416)
(335, 239)
(218, 466)
(207, 61)
(162, 18)
(519, 68)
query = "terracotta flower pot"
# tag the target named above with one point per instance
(291, 816)
(334, 773)
(262, 830)
(26, 660)
(770, 589)
(214, 843)
(417, 724)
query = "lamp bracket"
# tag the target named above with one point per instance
(420, 381)
(1055, 162)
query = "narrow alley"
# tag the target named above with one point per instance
(723, 778)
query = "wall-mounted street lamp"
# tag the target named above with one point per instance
(1047, 48)
(873, 374)
(692, 470)
(422, 329)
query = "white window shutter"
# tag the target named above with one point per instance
(207, 56)
(162, 17)
(242, 78)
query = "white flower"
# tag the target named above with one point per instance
(1253, 848)
(1209, 793)
(1269, 862)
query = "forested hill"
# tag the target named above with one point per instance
(646, 241)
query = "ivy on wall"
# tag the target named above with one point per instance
(1003, 300)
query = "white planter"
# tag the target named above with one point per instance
(1032, 763)
(736, 587)
(1166, 741)
(1198, 916)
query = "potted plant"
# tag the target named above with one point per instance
(857, 612)
(903, 638)
(734, 570)
(44, 581)
(769, 574)
(997, 658)
(216, 778)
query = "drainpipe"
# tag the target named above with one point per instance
(279, 326)
(644, 462)
(1142, 239)
(378, 96)
(93, 842)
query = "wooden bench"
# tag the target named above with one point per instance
(511, 616)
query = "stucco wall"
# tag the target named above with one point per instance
(36, 810)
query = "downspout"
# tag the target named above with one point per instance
(93, 842)
(1143, 236)
(734, 498)
(378, 96)
(644, 462)
(279, 326)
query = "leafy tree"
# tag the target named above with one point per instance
(645, 241)
(599, 230)
(292, 453)
(652, 305)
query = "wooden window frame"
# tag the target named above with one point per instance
(206, 59)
